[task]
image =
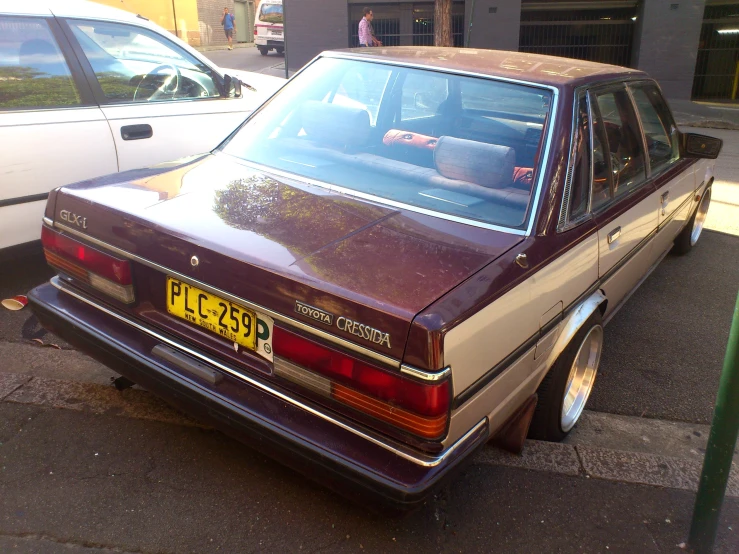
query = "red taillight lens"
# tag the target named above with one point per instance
(416, 407)
(100, 270)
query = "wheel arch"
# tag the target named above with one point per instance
(571, 324)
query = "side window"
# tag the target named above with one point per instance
(136, 65)
(660, 132)
(363, 88)
(422, 95)
(580, 178)
(33, 71)
(619, 131)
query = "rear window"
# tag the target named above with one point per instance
(271, 13)
(456, 146)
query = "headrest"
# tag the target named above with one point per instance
(487, 165)
(334, 124)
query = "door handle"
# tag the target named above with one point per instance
(664, 199)
(136, 132)
(613, 235)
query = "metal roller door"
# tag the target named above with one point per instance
(717, 65)
(596, 31)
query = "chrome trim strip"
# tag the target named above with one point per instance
(425, 375)
(48, 221)
(425, 461)
(544, 161)
(371, 197)
(387, 360)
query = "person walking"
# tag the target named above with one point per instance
(366, 32)
(229, 26)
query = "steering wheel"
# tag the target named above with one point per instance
(177, 76)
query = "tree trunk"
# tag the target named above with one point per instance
(443, 23)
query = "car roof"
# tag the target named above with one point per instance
(67, 8)
(523, 66)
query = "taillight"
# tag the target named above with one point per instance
(98, 269)
(255, 31)
(419, 408)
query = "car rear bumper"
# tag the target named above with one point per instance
(269, 42)
(353, 462)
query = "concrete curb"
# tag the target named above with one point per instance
(216, 47)
(623, 451)
(708, 124)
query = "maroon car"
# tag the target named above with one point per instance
(403, 254)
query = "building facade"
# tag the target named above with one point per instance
(198, 22)
(690, 46)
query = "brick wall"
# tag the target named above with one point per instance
(209, 19)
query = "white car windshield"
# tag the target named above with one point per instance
(436, 142)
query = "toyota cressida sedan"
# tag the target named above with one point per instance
(402, 255)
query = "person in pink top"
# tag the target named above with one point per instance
(366, 33)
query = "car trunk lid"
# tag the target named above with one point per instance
(277, 242)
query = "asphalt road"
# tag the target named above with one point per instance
(78, 482)
(248, 58)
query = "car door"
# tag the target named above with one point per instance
(624, 201)
(162, 103)
(51, 130)
(674, 178)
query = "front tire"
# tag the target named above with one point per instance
(566, 388)
(690, 234)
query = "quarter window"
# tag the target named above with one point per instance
(620, 141)
(135, 65)
(423, 95)
(660, 132)
(33, 71)
(363, 90)
(580, 177)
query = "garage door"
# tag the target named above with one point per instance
(597, 31)
(718, 53)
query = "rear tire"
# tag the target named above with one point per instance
(263, 51)
(690, 234)
(280, 50)
(566, 388)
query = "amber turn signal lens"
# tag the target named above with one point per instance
(430, 428)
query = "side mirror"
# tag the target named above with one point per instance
(700, 146)
(232, 86)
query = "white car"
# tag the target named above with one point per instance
(269, 32)
(87, 90)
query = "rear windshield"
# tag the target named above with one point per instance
(435, 142)
(271, 13)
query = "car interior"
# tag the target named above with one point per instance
(132, 65)
(469, 156)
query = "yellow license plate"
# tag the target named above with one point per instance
(233, 322)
